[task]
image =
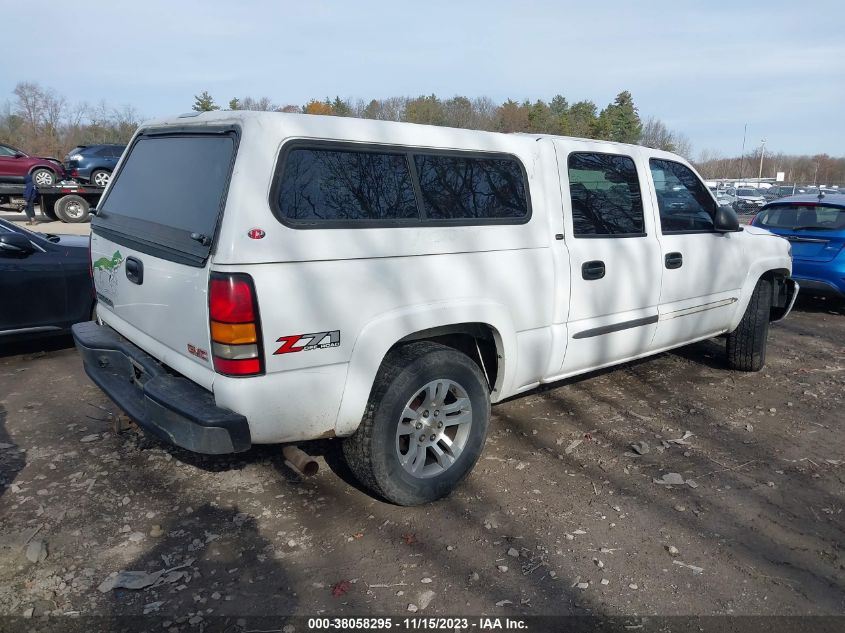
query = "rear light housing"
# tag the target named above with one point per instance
(234, 324)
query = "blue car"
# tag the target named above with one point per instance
(93, 163)
(815, 226)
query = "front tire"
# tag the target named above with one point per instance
(43, 177)
(424, 427)
(746, 346)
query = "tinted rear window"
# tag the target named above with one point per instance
(173, 181)
(339, 185)
(468, 188)
(804, 217)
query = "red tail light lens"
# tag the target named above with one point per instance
(232, 301)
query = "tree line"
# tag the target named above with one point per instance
(42, 122)
(617, 121)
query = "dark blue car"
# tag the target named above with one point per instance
(93, 163)
(815, 226)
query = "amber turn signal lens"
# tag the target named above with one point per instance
(233, 333)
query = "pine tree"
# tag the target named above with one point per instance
(341, 107)
(620, 121)
(234, 103)
(204, 102)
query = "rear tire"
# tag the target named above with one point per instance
(100, 177)
(72, 209)
(392, 453)
(746, 346)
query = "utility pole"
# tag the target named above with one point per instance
(762, 151)
(742, 156)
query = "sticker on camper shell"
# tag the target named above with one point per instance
(308, 342)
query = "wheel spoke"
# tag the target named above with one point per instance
(409, 414)
(455, 420)
(404, 429)
(430, 394)
(457, 405)
(445, 459)
(442, 391)
(408, 457)
(419, 461)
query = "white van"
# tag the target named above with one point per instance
(272, 278)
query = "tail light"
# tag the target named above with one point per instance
(235, 327)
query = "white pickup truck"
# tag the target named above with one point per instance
(292, 277)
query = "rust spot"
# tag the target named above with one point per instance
(326, 434)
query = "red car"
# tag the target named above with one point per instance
(15, 164)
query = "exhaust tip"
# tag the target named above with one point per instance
(300, 462)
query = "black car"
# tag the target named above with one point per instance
(45, 281)
(93, 163)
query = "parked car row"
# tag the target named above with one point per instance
(86, 163)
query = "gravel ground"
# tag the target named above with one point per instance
(560, 516)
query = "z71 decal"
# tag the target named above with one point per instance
(308, 342)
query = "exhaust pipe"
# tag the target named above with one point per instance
(299, 461)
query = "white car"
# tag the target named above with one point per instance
(273, 278)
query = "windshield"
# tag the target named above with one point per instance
(802, 217)
(747, 192)
(169, 194)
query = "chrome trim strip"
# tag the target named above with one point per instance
(616, 327)
(696, 309)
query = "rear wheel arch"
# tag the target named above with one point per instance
(481, 342)
(494, 333)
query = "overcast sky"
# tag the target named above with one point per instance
(703, 68)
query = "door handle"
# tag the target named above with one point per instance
(135, 270)
(674, 260)
(592, 270)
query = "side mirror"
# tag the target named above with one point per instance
(725, 220)
(15, 245)
(20, 155)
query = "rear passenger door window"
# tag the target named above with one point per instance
(471, 188)
(606, 196)
(327, 185)
(685, 204)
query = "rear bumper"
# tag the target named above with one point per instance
(822, 287)
(170, 407)
(821, 277)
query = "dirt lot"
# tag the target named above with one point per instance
(560, 516)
